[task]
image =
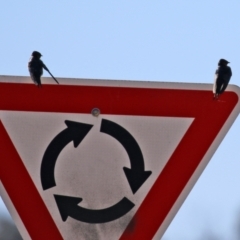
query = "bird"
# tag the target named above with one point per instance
(222, 77)
(36, 66)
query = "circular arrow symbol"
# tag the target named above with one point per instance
(68, 206)
(136, 175)
(74, 132)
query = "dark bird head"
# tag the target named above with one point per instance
(36, 54)
(222, 62)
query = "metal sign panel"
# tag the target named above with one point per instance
(95, 159)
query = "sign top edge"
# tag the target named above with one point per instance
(118, 83)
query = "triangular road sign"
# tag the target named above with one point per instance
(95, 159)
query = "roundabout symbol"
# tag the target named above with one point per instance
(136, 175)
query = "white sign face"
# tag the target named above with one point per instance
(94, 170)
(96, 174)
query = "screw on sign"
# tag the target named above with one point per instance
(69, 171)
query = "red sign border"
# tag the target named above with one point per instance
(209, 118)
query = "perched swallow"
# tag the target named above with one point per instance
(222, 77)
(36, 66)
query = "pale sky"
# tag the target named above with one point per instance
(170, 41)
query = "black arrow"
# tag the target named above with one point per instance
(68, 207)
(136, 175)
(74, 132)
